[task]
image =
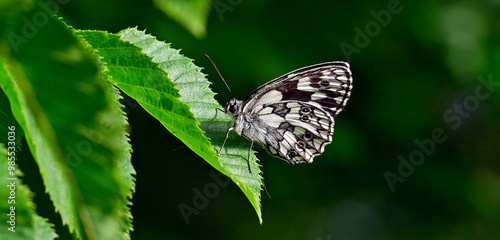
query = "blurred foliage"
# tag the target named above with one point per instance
(19, 219)
(72, 123)
(425, 66)
(192, 14)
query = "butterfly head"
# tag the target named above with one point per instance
(233, 106)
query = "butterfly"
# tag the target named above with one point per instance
(293, 116)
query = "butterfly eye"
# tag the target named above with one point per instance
(304, 118)
(232, 107)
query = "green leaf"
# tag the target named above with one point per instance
(180, 101)
(73, 129)
(125, 168)
(192, 14)
(16, 206)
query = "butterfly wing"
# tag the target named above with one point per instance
(328, 84)
(300, 130)
(296, 111)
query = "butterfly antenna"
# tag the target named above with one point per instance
(220, 75)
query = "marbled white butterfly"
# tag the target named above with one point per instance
(292, 116)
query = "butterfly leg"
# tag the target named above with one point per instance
(217, 109)
(249, 152)
(223, 143)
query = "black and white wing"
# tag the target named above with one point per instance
(296, 111)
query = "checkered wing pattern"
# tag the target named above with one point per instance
(292, 117)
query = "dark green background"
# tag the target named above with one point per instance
(407, 79)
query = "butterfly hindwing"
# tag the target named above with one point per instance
(301, 130)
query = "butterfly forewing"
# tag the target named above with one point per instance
(321, 83)
(293, 115)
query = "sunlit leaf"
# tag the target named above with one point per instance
(181, 101)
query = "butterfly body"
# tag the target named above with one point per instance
(292, 117)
